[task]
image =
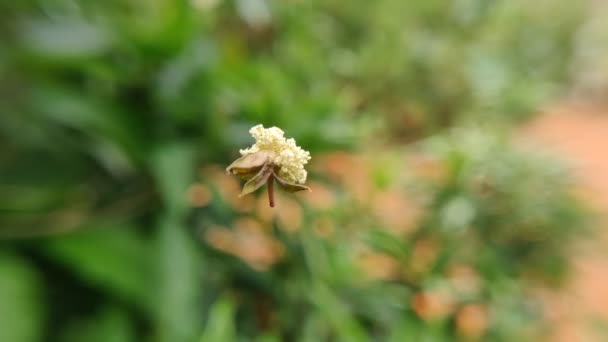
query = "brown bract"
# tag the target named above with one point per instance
(258, 169)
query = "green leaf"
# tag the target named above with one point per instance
(404, 329)
(179, 283)
(21, 304)
(177, 299)
(180, 286)
(220, 325)
(112, 324)
(341, 319)
(269, 337)
(65, 38)
(173, 167)
(113, 258)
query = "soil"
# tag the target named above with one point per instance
(579, 134)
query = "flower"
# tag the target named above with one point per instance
(271, 157)
(289, 157)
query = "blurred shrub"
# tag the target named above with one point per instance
(423, 65)
(108, 108)
(444, 242)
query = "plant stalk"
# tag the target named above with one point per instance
(271, 191)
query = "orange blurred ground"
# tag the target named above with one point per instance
(580, 134)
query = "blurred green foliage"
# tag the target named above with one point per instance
(109, 108)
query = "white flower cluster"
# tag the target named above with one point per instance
(286, 154)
